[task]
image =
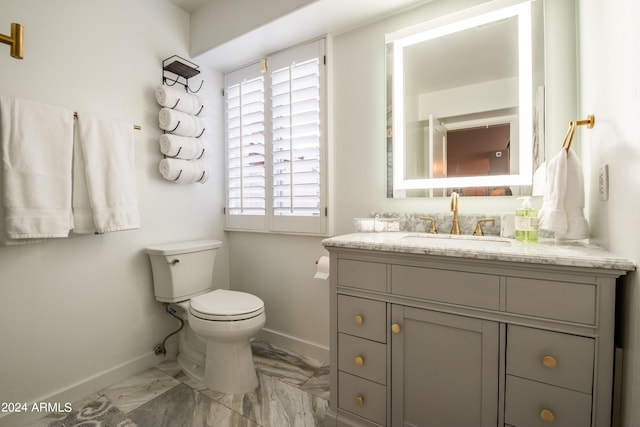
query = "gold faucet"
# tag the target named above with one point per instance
(432, 229)
(478, 231)
(455, 227)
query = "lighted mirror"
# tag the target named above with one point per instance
(466, 96)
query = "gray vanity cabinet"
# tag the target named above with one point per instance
(433, 340)
(444, 368)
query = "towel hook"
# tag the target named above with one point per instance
(15, 41)
(568, 138)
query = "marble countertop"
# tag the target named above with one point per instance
(550, 252)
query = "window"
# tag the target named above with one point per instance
(276, 143)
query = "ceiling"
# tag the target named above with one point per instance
(319, 17)
(190, 5)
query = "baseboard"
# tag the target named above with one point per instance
(87, 387)
(297, 345)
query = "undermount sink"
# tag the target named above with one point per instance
(457, 241)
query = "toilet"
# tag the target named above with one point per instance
(213, 345)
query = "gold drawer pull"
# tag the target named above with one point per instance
(359, 319)
(359, 400)
(549, 362)
(359, 360)
(395, 328)
(547, 416)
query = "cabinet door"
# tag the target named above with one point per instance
(444, 369)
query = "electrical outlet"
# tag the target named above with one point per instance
(603, 183)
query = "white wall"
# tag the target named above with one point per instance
(610, 89)
(77, 308)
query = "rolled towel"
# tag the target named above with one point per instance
(182, 147)
(180, 123)
(183, 171)
(180, 100)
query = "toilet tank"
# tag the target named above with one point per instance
(182, 270)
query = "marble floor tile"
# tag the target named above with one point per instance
(183, 406)
(277, 403)
(293, 392)
(139, 389)
(170, 367)
(287, 366)
(318, 384)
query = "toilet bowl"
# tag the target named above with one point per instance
(213, 345)
(226, 320)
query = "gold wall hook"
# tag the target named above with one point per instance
(15, 40)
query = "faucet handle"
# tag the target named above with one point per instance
(478, 230)
(432, 229)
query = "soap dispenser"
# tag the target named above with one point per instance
(526, 221)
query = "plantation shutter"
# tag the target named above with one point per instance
(276, 143)
(246, 156)
(297, 134)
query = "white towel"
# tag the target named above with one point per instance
(179, 123)
(37, 145)
(184, 171)
(563, 206)
(109, 169)
(182, 147)
(180, 100)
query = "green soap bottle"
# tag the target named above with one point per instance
(526, 222)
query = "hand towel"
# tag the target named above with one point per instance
(108, 153)
(180, 100)
(82, 212)
(182, 147)
(179, 123)
(184, 171)
(563, 205)
(36, 149)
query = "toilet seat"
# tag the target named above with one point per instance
(225, 305)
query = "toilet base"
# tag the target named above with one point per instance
(229, 367)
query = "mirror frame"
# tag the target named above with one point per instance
(461, 21)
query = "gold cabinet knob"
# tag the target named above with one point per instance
(359, 319)
(547, 416)
(549, 361)
(359, 400)
(359, 360)
(395, 328)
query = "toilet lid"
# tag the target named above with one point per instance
(222, 302)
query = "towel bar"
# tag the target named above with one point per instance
(15, 40)
(136, 127)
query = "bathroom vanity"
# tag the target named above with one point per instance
(442, 331)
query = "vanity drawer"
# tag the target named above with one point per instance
(361, 397)
(527, 403)
(364, 358)
(551, 357)
(362, 274)
(362, 317)
(456, 287)
(573, 302)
